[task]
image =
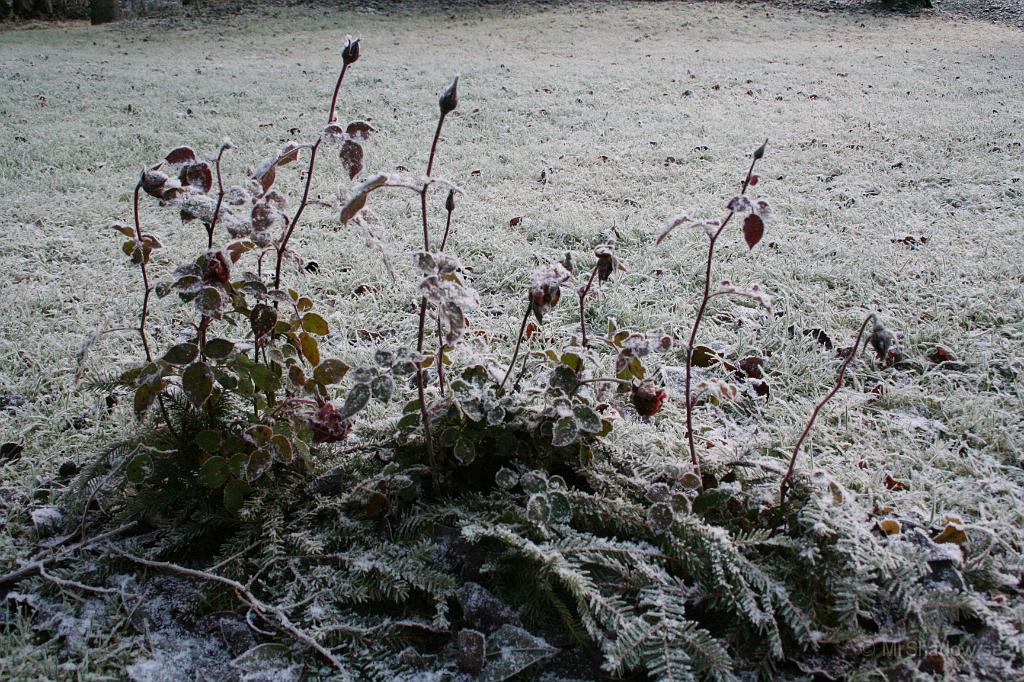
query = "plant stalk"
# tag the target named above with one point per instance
(220, 200)
(694, 460)
(583, 295)
(421, 375)
(787, 480)
(519, 341)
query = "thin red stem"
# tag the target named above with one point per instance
(519, 341)
(447, 226)
(440, 337)
(583, 295)
(788, 478)
(423, 300)
(440, 356)
(282, 247)
(331, 115)
(426, 186)
(425, 416)
(145, 303)
(220, 200)
(694, 460)
(145, 277)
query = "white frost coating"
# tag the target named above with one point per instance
(47, 517)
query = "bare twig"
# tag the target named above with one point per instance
(33, 567)
(74, 584)
(220, 197)
(787, 480)
(519, 341)
(583, 295)
(269, 612)
(282, 246)
(145, 275)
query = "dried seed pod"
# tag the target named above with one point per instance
(450, 98)
(647, 398)
(350, 53)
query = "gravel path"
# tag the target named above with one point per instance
(1009, 12)
(1000, 11)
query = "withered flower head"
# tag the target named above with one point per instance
(884, 342)
(759, 152)
(350, 53)
(328, 426)
(217, 269)
(607, 263)
(449, 98)
(546, 288)
(647, 398)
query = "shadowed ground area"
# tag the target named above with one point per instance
(895, 165)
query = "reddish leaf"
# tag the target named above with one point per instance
(515, 221)
(180, 155)
(892, 484)
(821, 336)
(364, 289)
(267, 179)
(198, 176)
(941, 354)
(754, 179)
(153, 183)
(334, 134)
(531, 330)
(289, 153)
(933, 664)
(751, 366)
(265, 214)
(761, 388)
(360, 130)
(352, 158)
(753, 229)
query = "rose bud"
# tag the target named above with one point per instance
(449, 98)
(606, 262)
(327, 425)
(647, 398)
(350, 53)
(449, 203)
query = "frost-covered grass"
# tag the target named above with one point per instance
(879, 127)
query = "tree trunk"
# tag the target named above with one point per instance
(103, 11)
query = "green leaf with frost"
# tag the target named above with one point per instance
(197, 382)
